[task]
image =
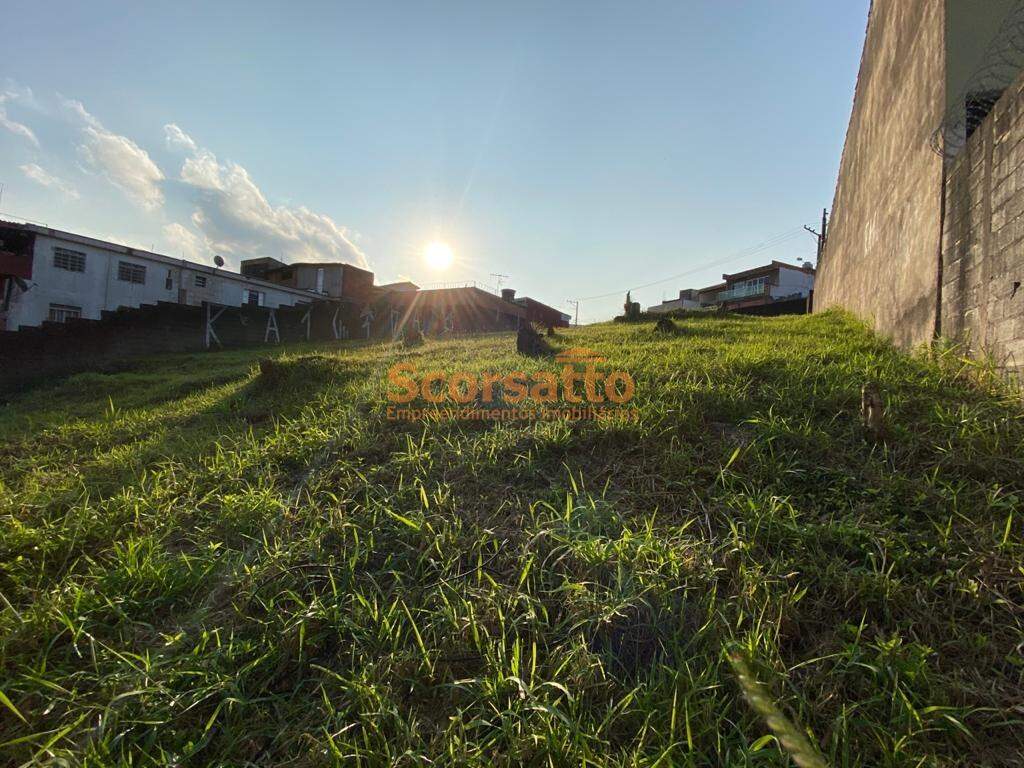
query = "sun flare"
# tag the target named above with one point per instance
(439, 256)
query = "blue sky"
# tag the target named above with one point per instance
(582, 148)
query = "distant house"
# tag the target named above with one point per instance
(537, 312)
(456, 309)
(333, 279)
(775, 288)
(688, 299)
(761, 286)
(708, 297)
(403, 285)
(460, 309)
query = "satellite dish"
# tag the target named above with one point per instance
(218, 260)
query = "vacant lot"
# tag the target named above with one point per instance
(202, 564)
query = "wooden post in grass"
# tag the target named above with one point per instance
(872, 412)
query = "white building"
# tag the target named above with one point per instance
(687, 300)
(46, 274)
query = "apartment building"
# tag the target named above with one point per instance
(48, 275)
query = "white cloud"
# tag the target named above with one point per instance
(213, 206)
(18, 129)
(119, 159)
(185, 242)
(77, 111)
(125, 165)
(46, 179)
(17, 92)
(203, 170)
(178, 139)
(236, 219)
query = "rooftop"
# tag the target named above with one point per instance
(195, 266)
(755, 271)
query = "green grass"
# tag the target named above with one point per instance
(198, 566)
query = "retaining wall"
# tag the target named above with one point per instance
(983, 243)
(882, 253)
(54, 349)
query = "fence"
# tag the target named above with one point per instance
(55, 349)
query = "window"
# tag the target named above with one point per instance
(60, 313)
(72, 261)
(200, 281)
(131, 273)
(756, 284)
(255, 298)
(169, 282)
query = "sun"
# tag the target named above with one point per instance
(438, 256)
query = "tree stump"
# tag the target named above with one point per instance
(665, 325)
(529, 342)
(271, 372)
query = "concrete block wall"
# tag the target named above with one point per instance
(882, 256)
(983, 237)
(920, 244)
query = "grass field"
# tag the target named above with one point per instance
(200, 564)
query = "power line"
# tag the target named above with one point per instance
(749, 251)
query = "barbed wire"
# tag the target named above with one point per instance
(1001, 64)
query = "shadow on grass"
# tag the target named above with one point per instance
(133, 457)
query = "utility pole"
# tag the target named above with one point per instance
(576, 304)
(820, 236)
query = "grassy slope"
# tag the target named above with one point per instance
(198, 567)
